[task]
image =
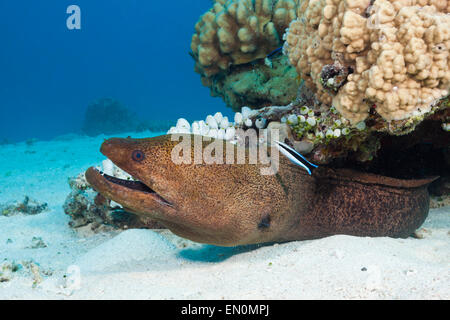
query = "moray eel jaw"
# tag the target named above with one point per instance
(126, 192)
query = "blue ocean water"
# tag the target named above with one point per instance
(136, 51)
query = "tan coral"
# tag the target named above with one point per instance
(395, 51)
(235, 32)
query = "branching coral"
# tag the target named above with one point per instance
(235, 32)
(388, 55)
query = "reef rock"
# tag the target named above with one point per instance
(372, 71)
(259, 84)
(27, 206)
(389, 57)
(7, 268)
(109, 116)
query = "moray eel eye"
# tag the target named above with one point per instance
(138, 155)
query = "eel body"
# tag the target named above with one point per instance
(234, 204)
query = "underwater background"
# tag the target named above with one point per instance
(144, 69)
(134, 51)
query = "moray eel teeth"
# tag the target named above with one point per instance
(132, 184)
(120, 186)
(135, 185)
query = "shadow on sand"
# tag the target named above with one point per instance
(210, 253)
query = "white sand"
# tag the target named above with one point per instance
(146, 264)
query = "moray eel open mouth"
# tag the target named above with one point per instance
(145, 190)
(131, 184)
(118, 185)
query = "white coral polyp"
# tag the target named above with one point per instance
(218, 126)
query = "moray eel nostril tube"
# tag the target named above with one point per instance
(233, 204)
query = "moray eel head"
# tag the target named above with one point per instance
(209, 203)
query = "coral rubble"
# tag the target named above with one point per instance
(7, 269)
(27, 206)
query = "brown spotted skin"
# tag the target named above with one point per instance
(232, 204)
(352, 203)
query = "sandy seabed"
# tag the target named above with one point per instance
(147, 264)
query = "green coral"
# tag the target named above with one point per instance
(257, 84)
(319, 128)
(331, 134)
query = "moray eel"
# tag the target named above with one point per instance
(234, 204)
